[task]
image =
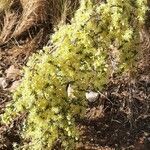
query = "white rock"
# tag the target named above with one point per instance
(3, 83)
(70, 91)
(92, 96)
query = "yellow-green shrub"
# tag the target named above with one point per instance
(4, 4)
(79, 54)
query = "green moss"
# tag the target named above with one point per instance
(80, 54)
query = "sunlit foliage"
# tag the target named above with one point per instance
(102, 38)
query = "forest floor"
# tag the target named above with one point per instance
(119, 120)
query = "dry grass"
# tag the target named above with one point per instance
(4, 4)
(61, 11)
(26, 16)
(26, 25)
(19, 53)
(10, 19)
(34, 13)
(37, 12)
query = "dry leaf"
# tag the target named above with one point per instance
(12, 73)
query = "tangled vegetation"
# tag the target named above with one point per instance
(4, 4)
(102, 38)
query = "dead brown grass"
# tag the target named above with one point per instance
(34, 13)
(19, 53)
(10, 19)
(26, 26)
(25, 18)
(61, 11)
(4, 4)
